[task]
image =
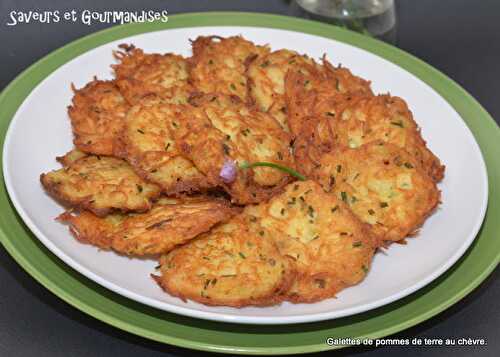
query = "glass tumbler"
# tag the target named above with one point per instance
(371, 17)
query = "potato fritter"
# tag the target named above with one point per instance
(383, 185)
(97, 115)
(236, 264)
(322, 121)
(332, 249)
(218, 64)
(140, 74)
(100, 184)
(386, 118)
(222, 129)
(169, 223)
(266, 75)
(148, 145)
(305, 90)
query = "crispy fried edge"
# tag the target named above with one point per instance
(274, 298)
(96, 238)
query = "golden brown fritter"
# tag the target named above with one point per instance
(148, 145)
(386, 118)
(305, 90)
(222, 129)
(140, 74)
(218, 64)
(331, 248)
(100, 184)
(236, 264)
(266, 75)
(169, 223)
(88, 228)
(383, 185)
(97, 115)
(322, 121)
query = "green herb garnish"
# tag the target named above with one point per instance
(310, 211)
(207, 281)
(265, 64)
(292, 172)
(332, 181)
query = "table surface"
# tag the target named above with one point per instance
(459, 37)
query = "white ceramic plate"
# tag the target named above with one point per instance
(40, 131)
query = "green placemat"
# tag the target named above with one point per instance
(481, 258)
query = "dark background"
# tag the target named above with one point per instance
(459, 37)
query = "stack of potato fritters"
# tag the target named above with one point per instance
(195, 162)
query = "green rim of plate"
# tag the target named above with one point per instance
(477, 263)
